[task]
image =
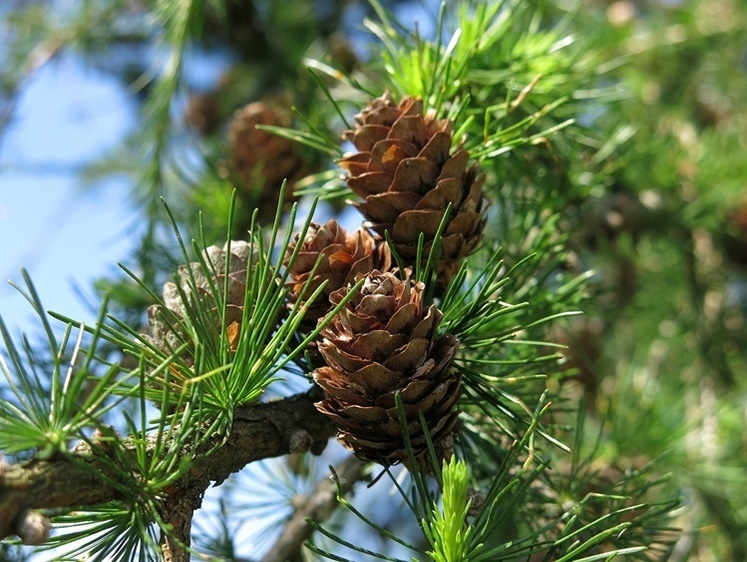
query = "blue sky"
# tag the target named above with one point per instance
(62, 231)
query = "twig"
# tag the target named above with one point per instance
(319, 505)
(79, 479)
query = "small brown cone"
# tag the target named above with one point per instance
(383, 343)
(407, 174)
(343, 256)
(196, 282)
(259, 161)
(203, 112)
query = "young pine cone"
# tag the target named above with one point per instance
(197, 283)
(344, 255)
(407, 177)
(381, 343)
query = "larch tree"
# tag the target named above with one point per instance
(361, 322)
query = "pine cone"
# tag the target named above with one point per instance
(344, 256)
(203, 112)
(259, 161)
(384, 342)
(167, 323)
(407, 177)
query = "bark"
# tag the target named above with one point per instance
(179, 509)
(79, 479)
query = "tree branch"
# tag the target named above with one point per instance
(318, 506)
(290, 425)
(179, 510)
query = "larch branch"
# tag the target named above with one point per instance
(318, 506)
(77, 480)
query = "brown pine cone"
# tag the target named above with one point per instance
(259, 161)
(384, 342)
(344, 255)
(203, 112)
(407, 177)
